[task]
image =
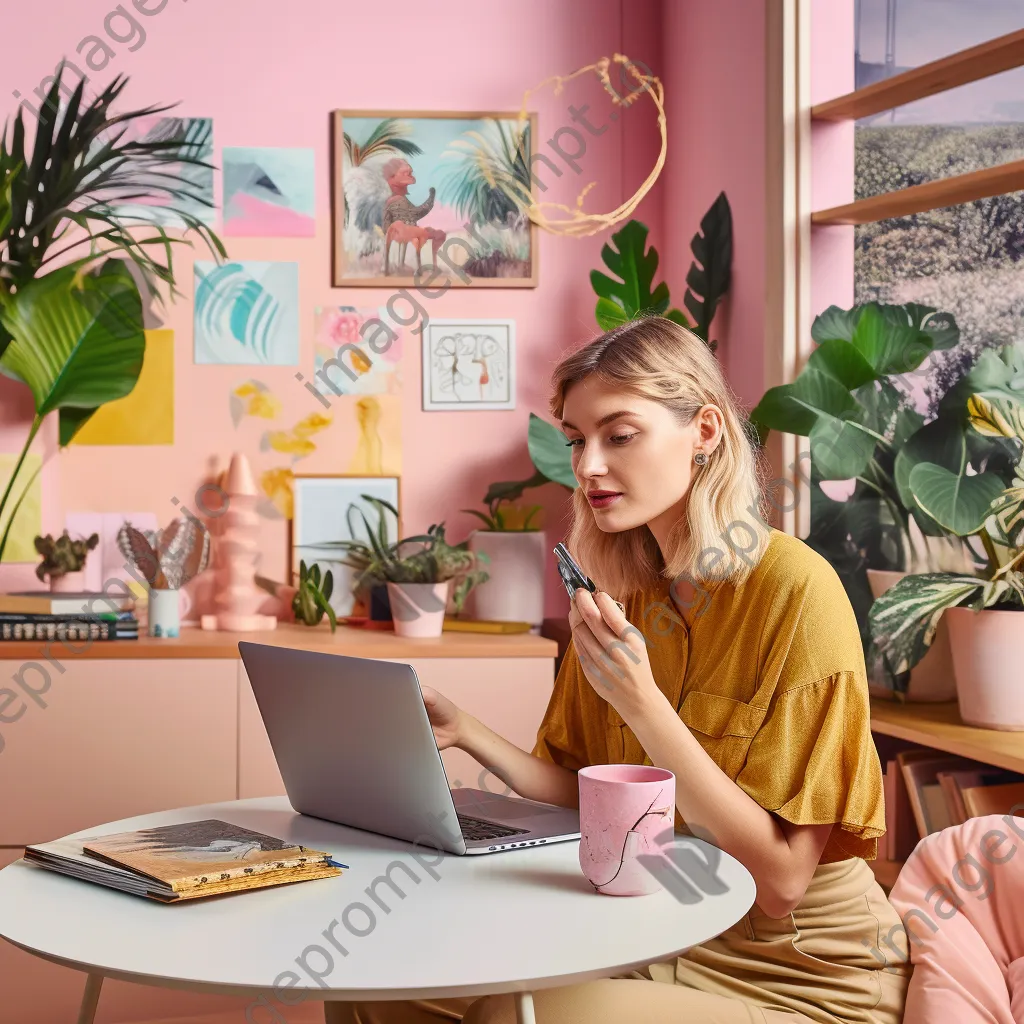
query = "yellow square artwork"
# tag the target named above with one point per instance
(146, 414)
(28, 524)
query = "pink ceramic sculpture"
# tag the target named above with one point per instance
(625, 809)
(237, 596)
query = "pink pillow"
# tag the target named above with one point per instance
(961, 898)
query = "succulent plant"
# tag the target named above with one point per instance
(63, 555)
(313, 598)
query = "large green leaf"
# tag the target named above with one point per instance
(78, 341)
(835, 324)
(707, 280)
(840, 360)
(890, 345)
(957, 502)
(631, 294)
(940, 443)
(550, 452)
(840, 449)
(904, 619)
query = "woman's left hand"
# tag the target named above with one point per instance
(612, 652)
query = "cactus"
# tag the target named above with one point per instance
(63, 555)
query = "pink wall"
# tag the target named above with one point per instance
(715, 86)
(271, 81)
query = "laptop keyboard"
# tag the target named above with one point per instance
(477, 828)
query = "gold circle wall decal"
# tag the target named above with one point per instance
(576, 221)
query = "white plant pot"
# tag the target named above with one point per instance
(932, 679)
(417, 609)
(988, 651)
(515, 590)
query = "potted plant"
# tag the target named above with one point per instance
(312, 600)
(64, 561)
(515, 545)
(984, 610)
(368, 587)
(422, 572)
(864, 430)
(71, 316)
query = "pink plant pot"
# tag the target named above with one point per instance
(417, 609)
(626, 811)
(988, 648)
(69, 583)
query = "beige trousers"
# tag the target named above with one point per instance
(839, 958)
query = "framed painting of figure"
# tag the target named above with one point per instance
(432, 200)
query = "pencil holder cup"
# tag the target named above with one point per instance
(625, 809)
(165, 612)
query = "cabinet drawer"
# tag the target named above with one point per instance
(108, 739)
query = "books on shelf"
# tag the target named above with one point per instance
(43, 602)
(106, 626)
(185, 861)
(927, 790)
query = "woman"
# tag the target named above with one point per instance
(748, 682)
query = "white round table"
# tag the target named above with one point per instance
(402, 922)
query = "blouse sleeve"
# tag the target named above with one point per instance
(560, 738)
(813, 761)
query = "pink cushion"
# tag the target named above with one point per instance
(961, 898)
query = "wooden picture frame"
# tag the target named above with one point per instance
(308, 522)
(358, 241)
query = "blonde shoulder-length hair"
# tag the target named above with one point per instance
(654, 358)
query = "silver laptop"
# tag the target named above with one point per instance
(354, 745)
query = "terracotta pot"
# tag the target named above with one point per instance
(515, 590)
(988, 650)
(69, 583)
(417, 609)
(932, 678)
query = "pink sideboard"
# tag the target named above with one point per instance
(128, 728)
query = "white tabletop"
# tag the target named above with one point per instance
(513, 921)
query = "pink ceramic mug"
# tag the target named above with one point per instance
(624, 810)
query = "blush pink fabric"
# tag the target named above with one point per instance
(961, 898)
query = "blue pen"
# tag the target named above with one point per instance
(336, 863)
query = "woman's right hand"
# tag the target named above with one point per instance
(445, 717)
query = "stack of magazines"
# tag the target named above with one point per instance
(41, 615)
(185, 861)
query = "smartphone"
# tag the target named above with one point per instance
(572, 575)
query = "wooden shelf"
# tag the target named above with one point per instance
(933, 195)
(359, 643)
(939, 726)
(989, 58)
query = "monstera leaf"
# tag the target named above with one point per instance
(621, 300)
(711, 270)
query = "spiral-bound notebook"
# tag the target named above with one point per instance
(184, 861)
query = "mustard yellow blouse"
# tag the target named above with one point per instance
(770, 679)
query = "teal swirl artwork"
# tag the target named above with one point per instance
(246, 313)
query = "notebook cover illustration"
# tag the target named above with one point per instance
(198, 854)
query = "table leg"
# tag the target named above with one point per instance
(90, 999)
(332, 1013)
(524, 1008)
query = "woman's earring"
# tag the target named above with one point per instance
(700, 457)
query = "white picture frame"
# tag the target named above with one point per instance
(319, 514)
(469, 364)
